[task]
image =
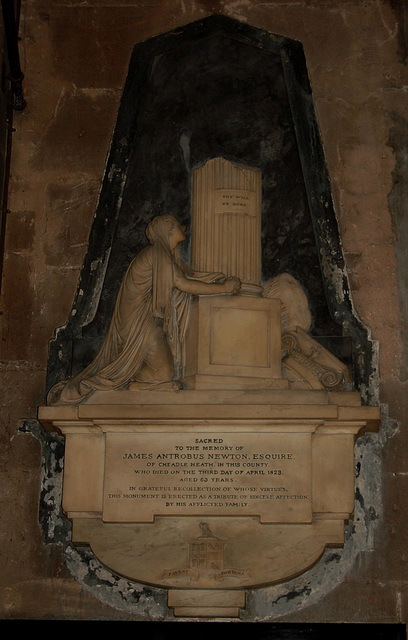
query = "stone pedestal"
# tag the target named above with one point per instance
(234, 343)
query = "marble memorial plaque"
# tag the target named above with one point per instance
(265, 474)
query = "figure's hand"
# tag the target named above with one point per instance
(232, 285)
(218, 278)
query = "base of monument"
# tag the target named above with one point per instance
(207, 564)
(210, 493)
(206, 603)
(202, 381)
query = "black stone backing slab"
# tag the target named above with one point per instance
(216, 87)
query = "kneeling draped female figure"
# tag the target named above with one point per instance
(148, 321)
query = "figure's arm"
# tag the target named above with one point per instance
(217, 277)
(195, 287)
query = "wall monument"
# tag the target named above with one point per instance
(209, 438)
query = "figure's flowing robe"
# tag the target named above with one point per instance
(133, 326)
(149, 310)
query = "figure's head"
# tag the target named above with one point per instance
(166, 230)
(175, 231)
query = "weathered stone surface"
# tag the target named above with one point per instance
(360, 598)
(394, 395)
(71, 209)
(78, 135)
(17, 315)
(396, 536)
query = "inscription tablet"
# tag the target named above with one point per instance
(235, 474)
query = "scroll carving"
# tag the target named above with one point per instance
(305, 363)
(309, 365)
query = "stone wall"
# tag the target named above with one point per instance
(75, 57)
